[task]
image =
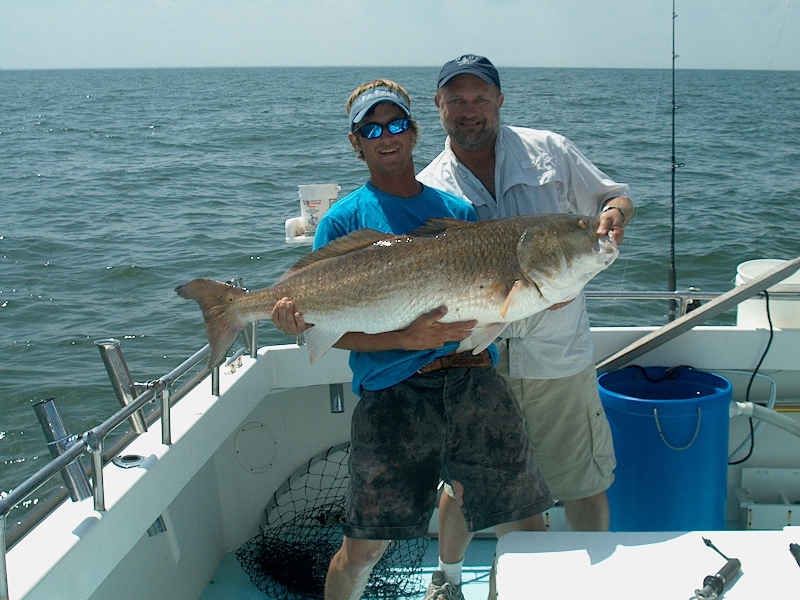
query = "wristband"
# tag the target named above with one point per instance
(610, 207)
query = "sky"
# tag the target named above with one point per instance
(710, 34)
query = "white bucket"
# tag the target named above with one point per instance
(315, 200)
(785, 313)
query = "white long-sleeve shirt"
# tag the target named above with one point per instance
(536, 172)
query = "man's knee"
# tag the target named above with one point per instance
(358, 556)
(588, 514)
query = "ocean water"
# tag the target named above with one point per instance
(117, 185)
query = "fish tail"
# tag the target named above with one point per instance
(215, 300)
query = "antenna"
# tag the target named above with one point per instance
(675, 165)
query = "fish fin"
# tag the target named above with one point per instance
(319, 340)
(215, 299)
(482, 337)
(356, 240)
(436, 225)
(514, 289)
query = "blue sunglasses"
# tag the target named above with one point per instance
(372, 131)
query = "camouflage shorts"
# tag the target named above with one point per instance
(460, 424)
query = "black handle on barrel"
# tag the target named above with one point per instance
(714, 585)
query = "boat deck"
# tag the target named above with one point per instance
(597, 561)
(230, 580)
(667, 564)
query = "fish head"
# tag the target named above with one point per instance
(561, 253)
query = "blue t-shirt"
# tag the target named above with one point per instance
(368, 207)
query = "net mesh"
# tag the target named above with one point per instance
(289, 558)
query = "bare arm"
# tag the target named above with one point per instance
(425, 333)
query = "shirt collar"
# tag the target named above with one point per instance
(470, 186)
(515, 167)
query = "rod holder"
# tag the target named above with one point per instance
(58, 441)
(95, 445)
(250, 336)
(121, 379)
(250, 332)
(215, 381)
(166, 417)
(337, 397)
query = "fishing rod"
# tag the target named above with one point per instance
(672, 283)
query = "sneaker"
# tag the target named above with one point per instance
(440, 589)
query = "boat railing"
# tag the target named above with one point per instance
(92, 442)
(685, 299)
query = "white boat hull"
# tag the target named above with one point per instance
(231, 453)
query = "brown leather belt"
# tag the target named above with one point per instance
(460, 359)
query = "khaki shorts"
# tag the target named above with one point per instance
(569, 432)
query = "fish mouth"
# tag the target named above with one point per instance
(606, 249)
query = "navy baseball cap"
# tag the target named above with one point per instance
(364, 102)
(469, 64)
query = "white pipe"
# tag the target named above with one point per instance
(773, 387)
(748, 409)
(773, 394)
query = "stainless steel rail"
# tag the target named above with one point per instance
(87, 441)
(686, 299)
(683, 298)
(93, 441)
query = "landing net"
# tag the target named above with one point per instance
(301, 532)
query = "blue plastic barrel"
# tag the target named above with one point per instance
(670, 429)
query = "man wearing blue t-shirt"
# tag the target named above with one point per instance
(425, 411)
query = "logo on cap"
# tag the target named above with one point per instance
(363, 103)
(466, 59)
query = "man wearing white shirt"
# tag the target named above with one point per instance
(506, 171)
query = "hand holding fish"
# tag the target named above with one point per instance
(286, 318)
(558, 305)
(427, 331)
(613, 217)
